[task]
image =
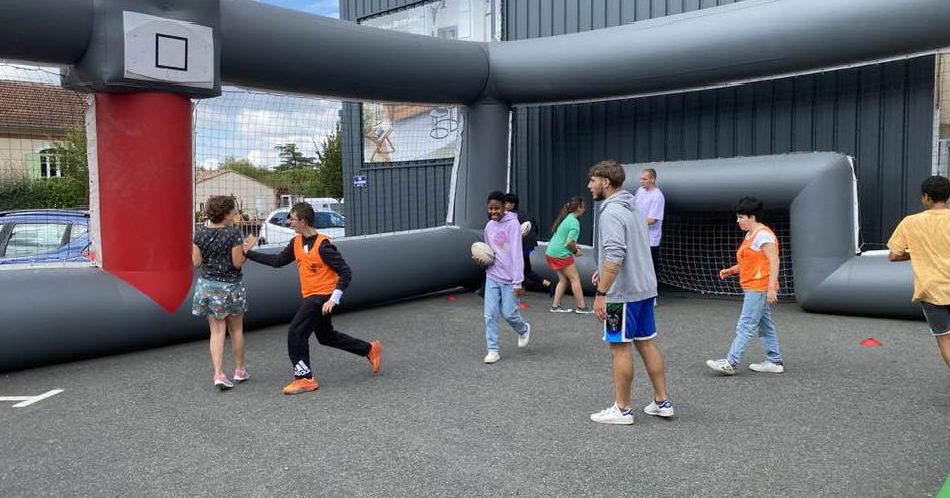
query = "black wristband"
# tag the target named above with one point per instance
(600, 293)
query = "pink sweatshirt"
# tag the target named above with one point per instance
(504, 238)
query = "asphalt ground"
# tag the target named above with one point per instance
(844, 420)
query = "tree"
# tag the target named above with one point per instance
(247, 168)
(72, 190)
(330, 172)
(291, 158)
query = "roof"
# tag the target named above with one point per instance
(205, 175)
(32, 107)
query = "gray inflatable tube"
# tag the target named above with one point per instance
(85, 312)
(819, 192)
(90, 313)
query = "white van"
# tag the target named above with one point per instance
(276, 227)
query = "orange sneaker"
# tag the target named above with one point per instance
(301, 386)
(375, 355)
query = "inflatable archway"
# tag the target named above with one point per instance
(128, 54)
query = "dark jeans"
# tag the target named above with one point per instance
(530, 276)
(310, 319)
(655, 256)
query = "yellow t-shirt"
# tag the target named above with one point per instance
(926, 236)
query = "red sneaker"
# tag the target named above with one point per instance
(375, 355)
(301, 386)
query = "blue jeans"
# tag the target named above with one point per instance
(500, 300)
(756, 317)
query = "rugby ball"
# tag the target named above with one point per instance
(482, 253)
(525, 228)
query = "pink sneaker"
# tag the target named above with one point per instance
(221, 382)
(240, 375)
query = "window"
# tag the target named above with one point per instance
(49, 164)
(280, 219)
(78, 231)
(412, 132)
(31, 239)
(941, 154)
(328, 219)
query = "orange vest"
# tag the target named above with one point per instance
(753, 265)
(316, 278)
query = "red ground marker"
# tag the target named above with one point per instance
(452, 298)
(871, 342)
(523, 306)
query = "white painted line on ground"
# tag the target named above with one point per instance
(29, 400)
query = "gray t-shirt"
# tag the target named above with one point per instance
(215, 245)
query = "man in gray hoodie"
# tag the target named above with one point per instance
(626, 286)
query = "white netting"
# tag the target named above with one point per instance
(696, 245)
(269, 151)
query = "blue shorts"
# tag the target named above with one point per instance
(628, 322)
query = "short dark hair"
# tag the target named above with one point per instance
(611, 170)
(496, 196)
(749, 206)
(304, 212)
(512, 198)
(937, 188)
(219, 207)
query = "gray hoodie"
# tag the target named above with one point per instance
(623, 238)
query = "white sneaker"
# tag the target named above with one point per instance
(492, 357)
(613, 415)
(722, 366)
(664, 409)
(767, 367)
(523, 339)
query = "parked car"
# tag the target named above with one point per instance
(44, 236)
(276, 227)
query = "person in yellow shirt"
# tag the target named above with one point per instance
(924, 239)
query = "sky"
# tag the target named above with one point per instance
(329, 8)
(245, 124)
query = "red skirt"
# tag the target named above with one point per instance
(559, 263)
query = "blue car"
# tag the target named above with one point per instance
(44, 236)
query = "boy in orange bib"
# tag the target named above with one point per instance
(758, 267)
(324, 276)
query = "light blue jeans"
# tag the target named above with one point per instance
(500, 300)
(756, 316)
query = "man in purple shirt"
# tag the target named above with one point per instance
(651, 203)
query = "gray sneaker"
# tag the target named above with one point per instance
(664, 409)
(767, 367)
(558, 309)
(524, 338)
(585, 310)
(613, 415)
(722, 366)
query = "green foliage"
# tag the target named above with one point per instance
(330, 173)
(71, 191)
(291, 158)
(298, 174)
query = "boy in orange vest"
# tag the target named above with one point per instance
(758, 276)
(324, 276)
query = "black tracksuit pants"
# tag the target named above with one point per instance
(310, 319)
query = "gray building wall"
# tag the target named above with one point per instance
(882, 114)
(401, 196)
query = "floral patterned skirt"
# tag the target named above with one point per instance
(219, 299)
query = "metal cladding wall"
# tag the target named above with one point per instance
(881, 114)
(401, 197)
(404, 196)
